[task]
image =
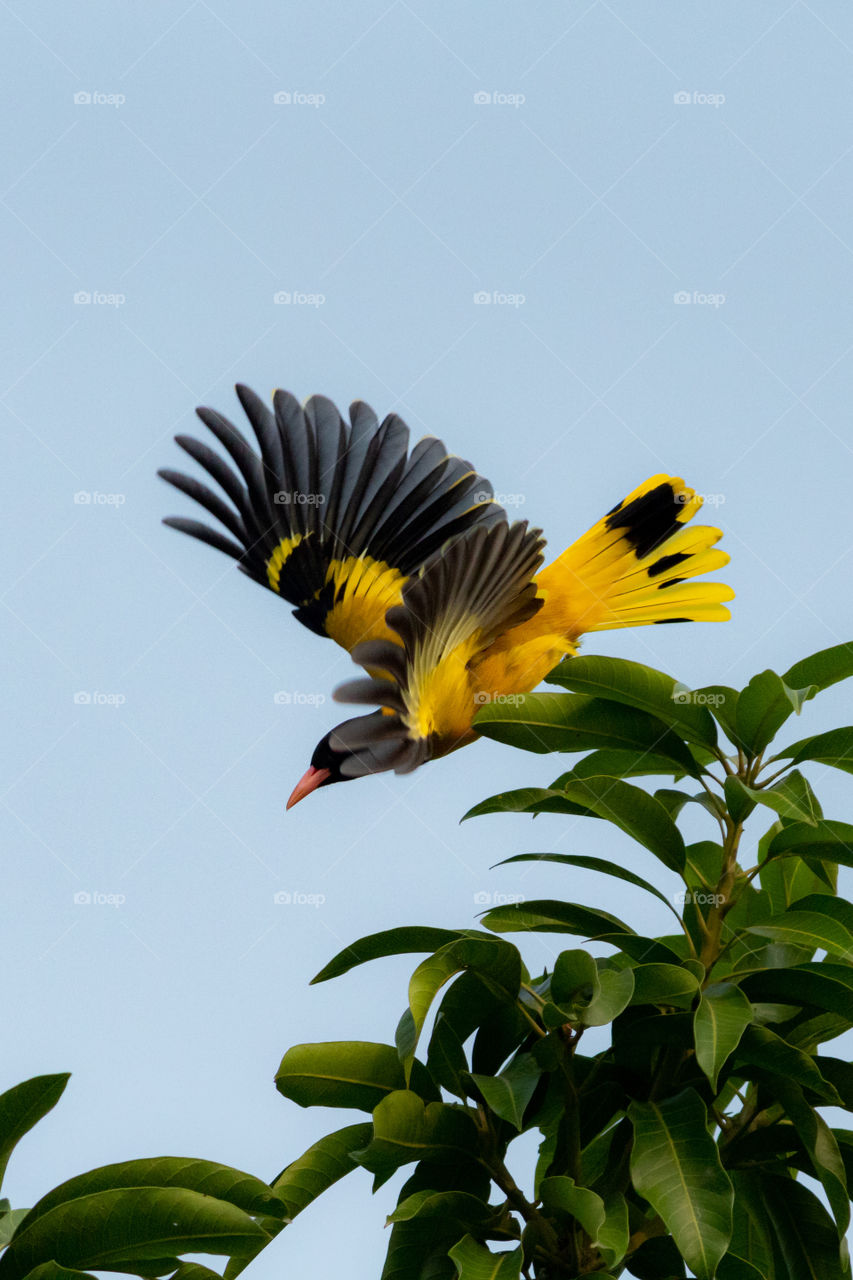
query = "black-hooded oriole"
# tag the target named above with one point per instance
(406, 560)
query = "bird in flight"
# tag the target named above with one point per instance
(407, 561)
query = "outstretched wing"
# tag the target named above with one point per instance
(480, 587)
(332, 516)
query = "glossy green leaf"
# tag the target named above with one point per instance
(22, 1106)
(824, 986)
(562, 1195)
(722, 1016)
(722, 702)
(817, 921)
(675, 1165)
(618, 763)
(544, 916)
(406, 1129)
(10, 1220)
(345, 1073)
(204, 1176)
(833, 748)
(459, 1205)
(475, 1262)
(109, 1229)
(322, 1165)
(446, 1061)
(638, 686)
(820, 1143)
(824, 668)
(527, 800)
(390, 942)
(615, 992)
(509, 1093)
(827, 840)
(593, 864)
(665, 984)
(543, 722)
(764, 706)
(53, 1271)
(785, 797)
(496, 963)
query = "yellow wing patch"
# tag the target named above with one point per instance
(275, 564)
(364, 590)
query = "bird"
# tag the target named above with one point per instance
(404, 557)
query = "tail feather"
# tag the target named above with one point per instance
(634, 566)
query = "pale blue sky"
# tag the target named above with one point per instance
(185, 194)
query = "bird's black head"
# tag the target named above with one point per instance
(324, 769)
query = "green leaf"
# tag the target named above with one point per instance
(509, 1093)
(53, 1271)
(815, 921)
(544, 722)
(785, 797)
(827, 841)
(496, 963)
(390, 942)
(458, 1205)
(345, 1073)
(23, 1106)
(635, 812)
(10, 1220)
(527, 800)
(720, 1020)
(111, 1229)
(638, 686)
(544, 916)
(739, 801)
(446, 1059)
(615, 991)
(675, 1165)
(834, 748)
(475, 1262)
(722, 702)
(797, 1232)
(822, 1147)
(206, 1177)
(405, 1129)
(823, 986)
(322, 1165)
(666, 984)
(822, 669)
(593, 864)
(619, 763)
(560, 1194)
(764, 706)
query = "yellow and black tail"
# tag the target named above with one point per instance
(636, 565)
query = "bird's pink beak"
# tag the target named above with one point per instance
(310, 781)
